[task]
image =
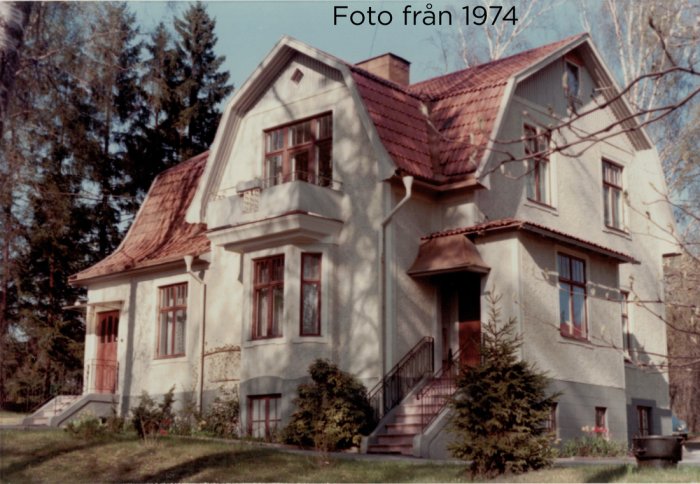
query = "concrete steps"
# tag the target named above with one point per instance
(397, 435)
(52, 408)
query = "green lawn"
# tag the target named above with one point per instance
(54, 456)
(11, 418)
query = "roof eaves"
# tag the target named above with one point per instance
(515, 224)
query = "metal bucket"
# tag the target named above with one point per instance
(657, 450)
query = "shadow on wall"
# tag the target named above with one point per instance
(644, 384)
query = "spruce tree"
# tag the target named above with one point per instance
(203, 85)
(501, 406)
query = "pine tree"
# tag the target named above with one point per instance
(154, 141)
(501, 406)
(203, 85)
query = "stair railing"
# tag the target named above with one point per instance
(403, 377)
(435, 395)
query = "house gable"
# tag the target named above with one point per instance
(257, 86)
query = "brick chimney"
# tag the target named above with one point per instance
(389, 66)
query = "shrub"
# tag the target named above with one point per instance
(150, 419)
(221, 419)
(186, 420)
(595, 443)
(86, 427)
(500, 407)
(332, 412)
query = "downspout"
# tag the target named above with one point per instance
(407, 183)
(188, 264)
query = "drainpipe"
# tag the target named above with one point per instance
(407, 183)
(188, 264)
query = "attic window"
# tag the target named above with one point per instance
(297, 76)
(572, 80)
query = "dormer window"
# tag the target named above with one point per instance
(300, 151)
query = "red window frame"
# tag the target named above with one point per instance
(270, 422)
(551, 423)
(601, 419)
(165, 295)
(269, 284)
(281, 145)
(568, 284)
(644, 420)
(315, 282)
(536, 148)
(612, 195)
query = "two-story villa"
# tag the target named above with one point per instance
(347, 214)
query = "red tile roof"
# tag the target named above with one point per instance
(515, 224)
(159, 233)
(437, 146)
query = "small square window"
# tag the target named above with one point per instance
(297, 76)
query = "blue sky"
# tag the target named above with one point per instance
(247, 31)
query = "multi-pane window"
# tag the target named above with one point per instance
(310, 294)
(572, 296)
(172, 316)
(551, 423)
(625, 322)
(263, 415)
(612, 194)
(268, 297)
(300, 151)
(644, 420)
(536, 151)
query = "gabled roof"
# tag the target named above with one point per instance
(443, 112)
(506, 224)
(159, 234)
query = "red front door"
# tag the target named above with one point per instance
(469, 320)
(106, 362)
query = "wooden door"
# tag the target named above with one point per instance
(469, 320)
(106, 362)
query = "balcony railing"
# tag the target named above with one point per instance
(402, 378)
(102, 375)
(305, 176)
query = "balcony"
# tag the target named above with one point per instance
(298, 208)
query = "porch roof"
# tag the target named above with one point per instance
(451, 253)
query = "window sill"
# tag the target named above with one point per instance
(317, 339)
(575, 339)
(277, 340)
(167, 358)
(545, 207)
(609, 229)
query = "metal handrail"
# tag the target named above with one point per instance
(432, 395)
(108, 368)
(403, 377)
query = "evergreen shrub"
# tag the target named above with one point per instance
(501, 406)
(333, 411)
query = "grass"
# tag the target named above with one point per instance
(11, 418)
(54, 456)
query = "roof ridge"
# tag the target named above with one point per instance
(418, 86)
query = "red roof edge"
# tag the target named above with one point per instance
(516, 224)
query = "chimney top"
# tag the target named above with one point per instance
(389, 66)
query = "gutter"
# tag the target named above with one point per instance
(408, 184)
